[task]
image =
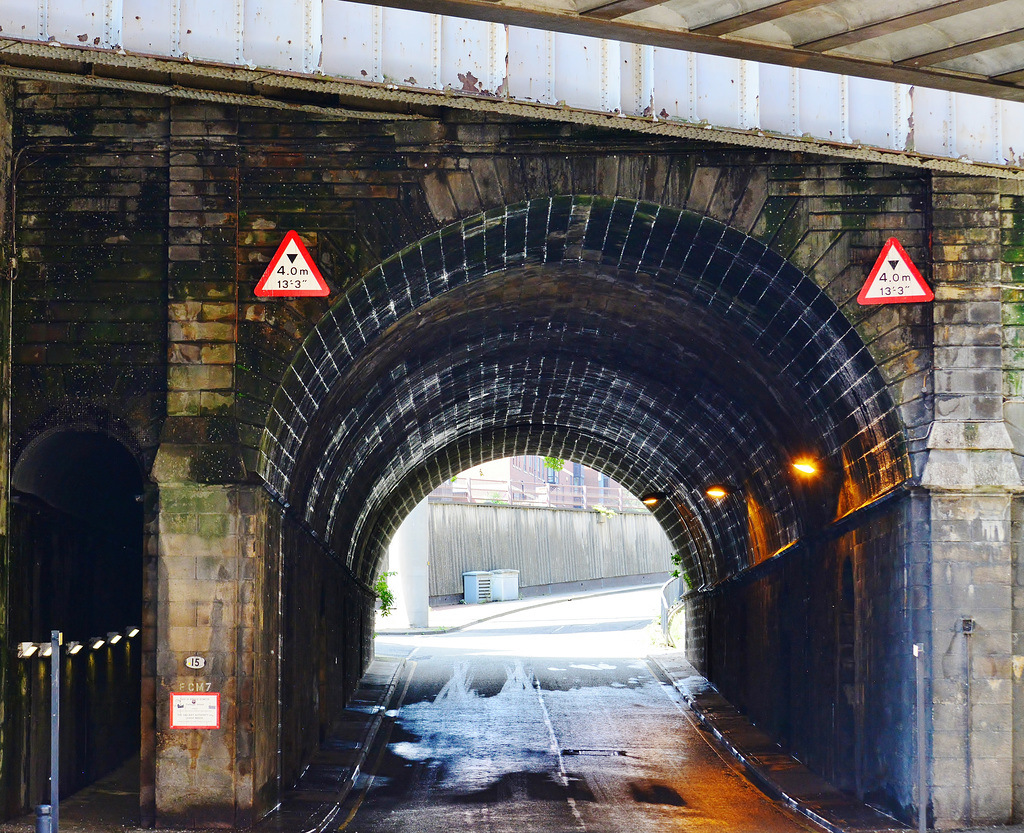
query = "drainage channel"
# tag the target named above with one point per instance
(600, 753)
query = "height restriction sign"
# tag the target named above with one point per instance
(292, 273)
(894, 279)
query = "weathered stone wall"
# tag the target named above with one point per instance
(326, 639)
(90, 299)
(970, 474)
(821, 661)
(6, 135)
(1011, 286)
(214, 564)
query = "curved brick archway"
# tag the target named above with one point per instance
(661, 346)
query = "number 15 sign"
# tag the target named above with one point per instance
(292, 273)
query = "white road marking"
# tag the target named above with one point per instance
(557, 752)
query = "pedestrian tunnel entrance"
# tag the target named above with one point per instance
(684, 359)
(76, 566)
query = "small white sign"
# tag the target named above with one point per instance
(195, 662)
(195, 711)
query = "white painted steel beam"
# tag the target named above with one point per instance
(401, 49)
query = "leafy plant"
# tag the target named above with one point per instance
(554, 463)
(677, 559)
(607, 511)
(384, 593)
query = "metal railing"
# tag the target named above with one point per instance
(671, 593)
(535, 495)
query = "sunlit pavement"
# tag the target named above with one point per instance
(548, 719)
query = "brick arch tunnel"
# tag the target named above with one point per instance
(667, 350)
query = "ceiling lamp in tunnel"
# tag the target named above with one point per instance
(26, 649)
(652, 500)
(46, 649)
(113, 637)
(806, 466)
(131, 631)
(717, 492)
(74, 648)
(97, 642)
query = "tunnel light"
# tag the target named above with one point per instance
(113, 637)
(27, 649)
(97, 642)
(46, 649)
(806, 466)
(653, 499)
(717, 492)
(74, 648)
(131, 631)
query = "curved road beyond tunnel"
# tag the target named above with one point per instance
(549, 720)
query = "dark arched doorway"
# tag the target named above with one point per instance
(76, 567)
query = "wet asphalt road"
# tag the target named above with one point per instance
(548, 720)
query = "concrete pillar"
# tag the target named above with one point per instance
(971, 477)
(409, 556)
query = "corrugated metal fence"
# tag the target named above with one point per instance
(546, 546)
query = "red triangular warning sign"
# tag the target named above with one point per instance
(894, 279)
(292, 273)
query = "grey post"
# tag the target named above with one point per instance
(55, 669)
(922, 743)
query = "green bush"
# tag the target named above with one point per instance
(384, 594)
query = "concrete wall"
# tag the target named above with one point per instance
(548, 547)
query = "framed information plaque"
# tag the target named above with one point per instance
(195, 711)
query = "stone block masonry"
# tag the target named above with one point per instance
(212, 580)
(143, 224)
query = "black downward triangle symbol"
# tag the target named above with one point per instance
(291, 257)
(892, 263)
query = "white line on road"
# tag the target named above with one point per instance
(556, 750)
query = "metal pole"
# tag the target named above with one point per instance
(55, 668)
(968, 629)
(922, 745)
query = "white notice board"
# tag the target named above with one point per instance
(195, 711)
